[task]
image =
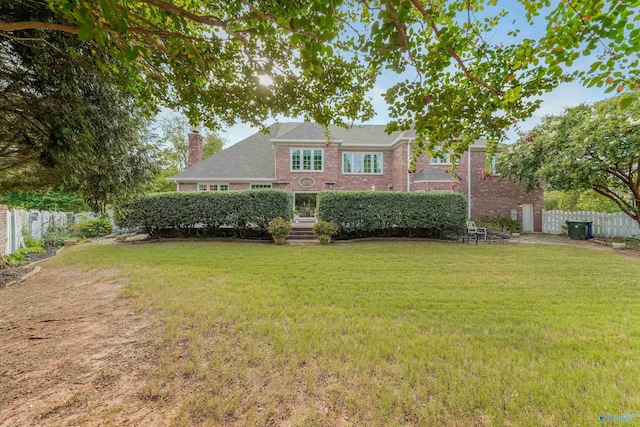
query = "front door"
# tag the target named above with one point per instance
(527, 218)
(305, 204)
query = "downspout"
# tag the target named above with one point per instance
(469, 183)
(408, 166)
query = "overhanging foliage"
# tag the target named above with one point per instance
(252, 60)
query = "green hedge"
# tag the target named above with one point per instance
(378, 213)
(242, 211)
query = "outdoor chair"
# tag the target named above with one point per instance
(475, 232)
(501, 235)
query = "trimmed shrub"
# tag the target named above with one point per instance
(87, 228)
(242, 211)
(498, 223)
(382, 213)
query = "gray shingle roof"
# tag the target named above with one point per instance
(356, 135)
(303, 132)
(253, 157)
(432, 175)
(364, 135)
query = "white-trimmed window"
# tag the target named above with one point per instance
(213, 187)
(443, 159)
(362, 163)
(307, 160)
(260, 186)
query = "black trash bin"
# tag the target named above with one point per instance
(580, 230)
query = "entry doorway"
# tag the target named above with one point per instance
(304, 204)
(527, 218)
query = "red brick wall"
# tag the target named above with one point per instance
(195, 148)
(3, 228)
(235, 186)
(400, 167)
(281, 186)
(493, 196)
(332, 172)
(187, 186)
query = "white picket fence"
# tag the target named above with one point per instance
(604, 224)
(36, 223)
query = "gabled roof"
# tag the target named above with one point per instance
(365, 135)
(355, 135)
(303, 132)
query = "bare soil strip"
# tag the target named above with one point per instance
(74, 352)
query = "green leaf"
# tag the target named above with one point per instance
(85, 33)
(131, 53)
(626, 101)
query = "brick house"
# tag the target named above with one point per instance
(297, 157)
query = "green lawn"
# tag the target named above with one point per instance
(387, 333)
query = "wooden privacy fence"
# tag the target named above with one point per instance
(604, 224)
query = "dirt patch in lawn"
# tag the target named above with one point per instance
(594, 244)
(73, 351)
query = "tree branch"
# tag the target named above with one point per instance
(453, 53)
(624, 206)
(34, 25)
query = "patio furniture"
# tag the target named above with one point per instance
(501, 235)
(475, 232)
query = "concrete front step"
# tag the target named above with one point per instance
(301, 234)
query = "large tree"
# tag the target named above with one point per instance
(213, 59)
(173, 141)
(591, 146)
(64, 123)
(173, 144)
(474, 67)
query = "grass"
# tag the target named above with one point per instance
(387, 333)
